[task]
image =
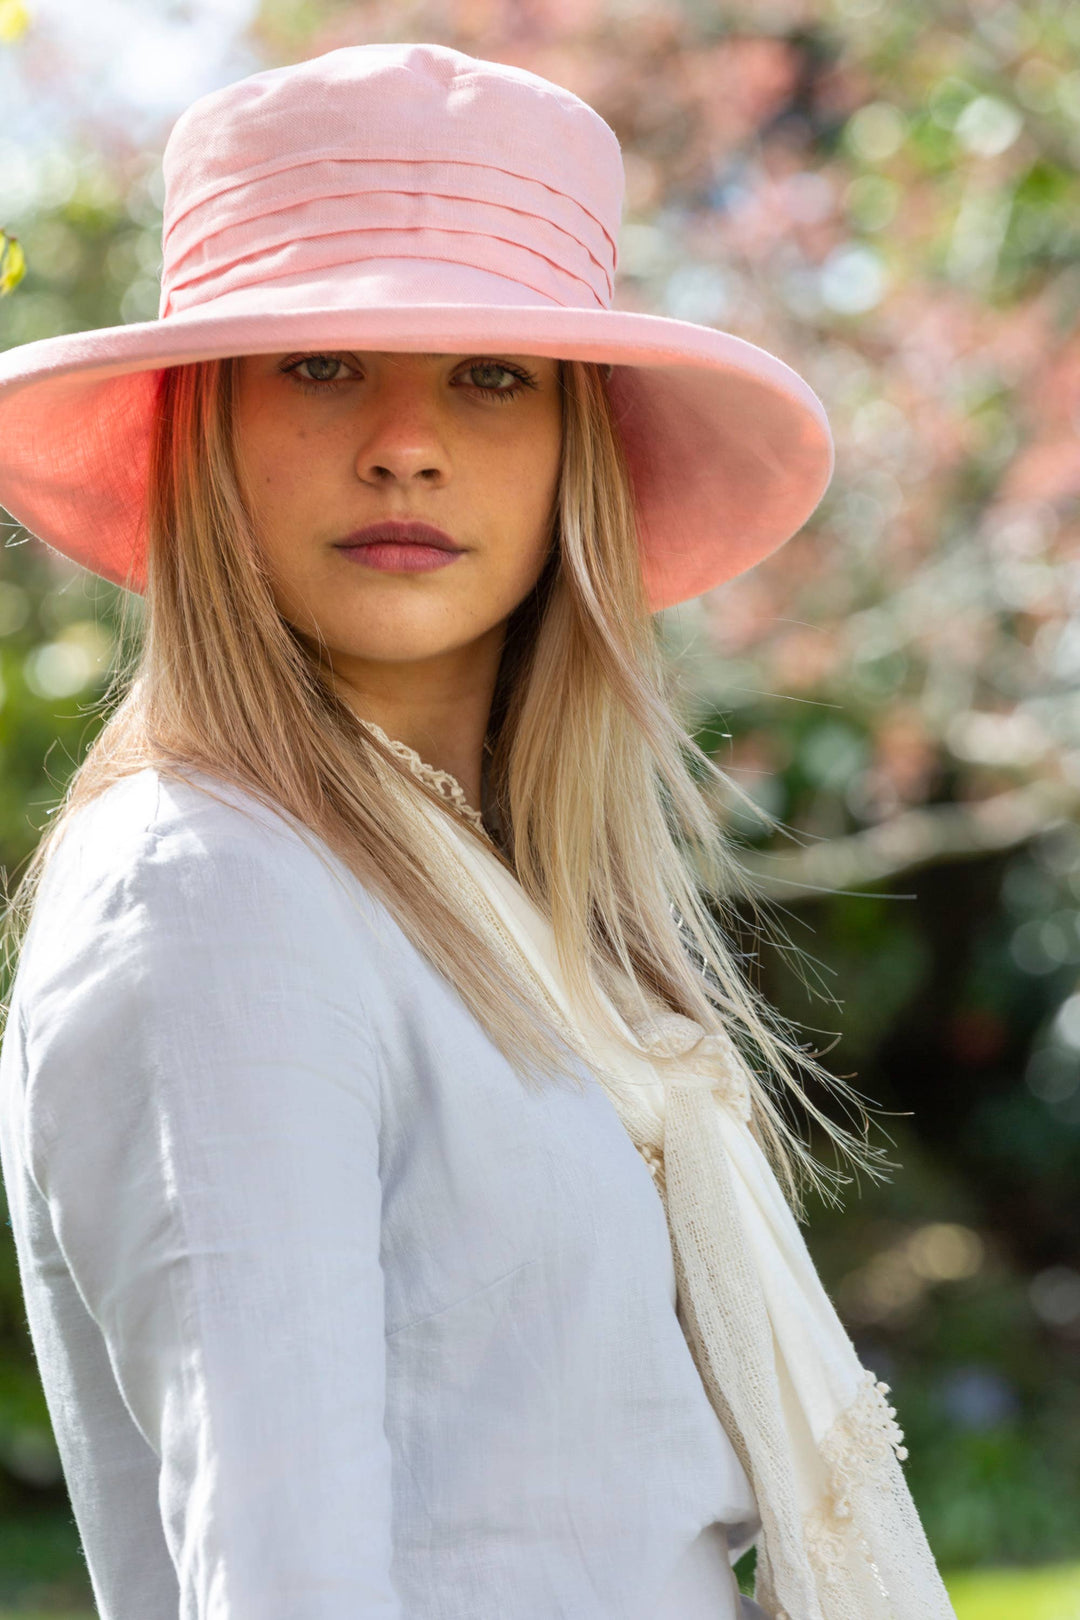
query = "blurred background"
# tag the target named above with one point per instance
(887, 196)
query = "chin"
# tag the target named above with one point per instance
(400, 641)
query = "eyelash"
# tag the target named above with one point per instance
(312, 385)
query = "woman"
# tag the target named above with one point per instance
(399, 1206)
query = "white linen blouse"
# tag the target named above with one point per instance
(336, 1319)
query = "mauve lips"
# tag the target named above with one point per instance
(400, 533)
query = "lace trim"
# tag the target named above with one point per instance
(855, 1452)
(863, 1434)
(445, 785)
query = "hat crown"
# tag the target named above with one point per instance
(397, 151)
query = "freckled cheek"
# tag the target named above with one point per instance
(284, 511)
(284, 473)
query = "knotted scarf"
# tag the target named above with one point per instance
(841, 1538)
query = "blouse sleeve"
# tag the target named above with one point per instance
(204, 1124)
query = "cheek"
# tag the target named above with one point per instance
(277, 465)
(275, 452)
(521, 514)
(530, 479)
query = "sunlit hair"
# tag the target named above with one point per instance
(607, 807)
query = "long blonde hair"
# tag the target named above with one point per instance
(626, 855)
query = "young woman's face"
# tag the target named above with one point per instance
(332, 442)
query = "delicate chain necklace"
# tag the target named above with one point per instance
(445, 785)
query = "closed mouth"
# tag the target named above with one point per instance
(402, 534)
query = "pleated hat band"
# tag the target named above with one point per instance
(292, 176)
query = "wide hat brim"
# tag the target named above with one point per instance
(729, 449)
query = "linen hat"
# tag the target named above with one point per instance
(411, 197)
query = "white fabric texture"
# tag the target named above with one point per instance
(702, 1586)
(842, 1539)
(335, 1318)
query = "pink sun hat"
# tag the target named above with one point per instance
(411, 197)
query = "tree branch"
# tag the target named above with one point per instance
(918, 837)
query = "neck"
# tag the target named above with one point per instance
(438, 706)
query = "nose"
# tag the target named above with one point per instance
(400, 438)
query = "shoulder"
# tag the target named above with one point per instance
(157, 862)
(156, 823)
(183, 815)
(191, 944)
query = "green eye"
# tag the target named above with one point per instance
(524, 379)
(319, 361)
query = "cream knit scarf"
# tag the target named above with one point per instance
(841, 1538)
